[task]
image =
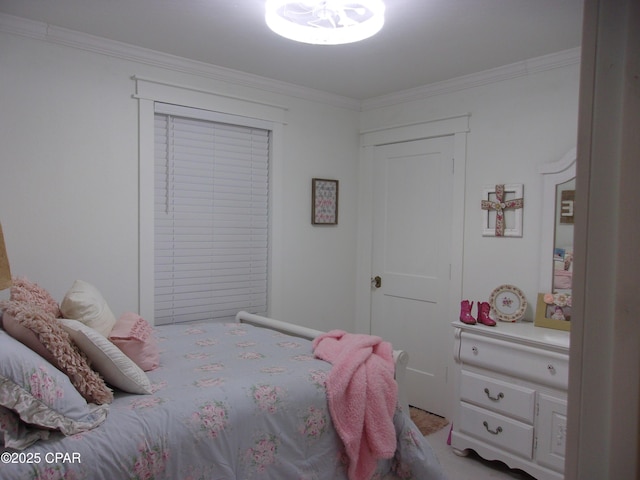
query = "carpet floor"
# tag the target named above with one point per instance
(426, 422)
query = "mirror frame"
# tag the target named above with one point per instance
(553, 174)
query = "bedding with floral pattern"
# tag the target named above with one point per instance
(229, 401)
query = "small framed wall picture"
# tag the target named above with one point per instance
(324, 201)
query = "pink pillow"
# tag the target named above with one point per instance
(562, 279)
(134, 336)
(67, 357)
(26, 336)
(25, 291)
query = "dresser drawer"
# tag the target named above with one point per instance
(498, 430)
(521, 361)
(511, 400)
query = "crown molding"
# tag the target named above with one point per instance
(506, 72)
(125, 51)
(62, 36)
(22, 26)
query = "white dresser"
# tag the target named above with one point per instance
(511, 395)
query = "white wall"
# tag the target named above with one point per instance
(69, 173)
(69, 179)
(515, 124)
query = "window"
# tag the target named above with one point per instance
(211, 215)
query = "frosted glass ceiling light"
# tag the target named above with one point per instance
(328, 22)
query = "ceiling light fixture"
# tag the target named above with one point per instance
(325, 22)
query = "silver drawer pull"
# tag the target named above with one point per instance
(495, 399)
(551, 368)
(474, 350)
(493, 432)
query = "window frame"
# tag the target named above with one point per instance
(148, 92)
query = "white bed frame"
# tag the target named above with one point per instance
(400, 357)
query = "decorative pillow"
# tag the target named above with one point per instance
(15, 434)
(134, 336)
(21, 333)
(24, 291)
(41, 395)
(83, 302)
(68, 357)
(562, 279)
(116, 368)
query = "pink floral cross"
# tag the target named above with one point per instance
(500, 205)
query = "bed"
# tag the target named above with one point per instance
(238, 400)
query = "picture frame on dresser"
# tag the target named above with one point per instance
(553, 311)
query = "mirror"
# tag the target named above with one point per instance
(556, 229)
(563, 238)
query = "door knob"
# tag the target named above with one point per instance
(376, 281)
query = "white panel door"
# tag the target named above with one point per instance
(411, 251)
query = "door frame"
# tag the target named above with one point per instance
(458, 127)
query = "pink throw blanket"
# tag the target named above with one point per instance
(362, 396)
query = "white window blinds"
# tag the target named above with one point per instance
(211, 219)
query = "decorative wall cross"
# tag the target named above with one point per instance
(500, 205)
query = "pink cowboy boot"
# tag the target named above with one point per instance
(483, 315)
(465, 313)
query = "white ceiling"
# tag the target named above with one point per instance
(422, 42)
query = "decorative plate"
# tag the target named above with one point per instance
(508, 303)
